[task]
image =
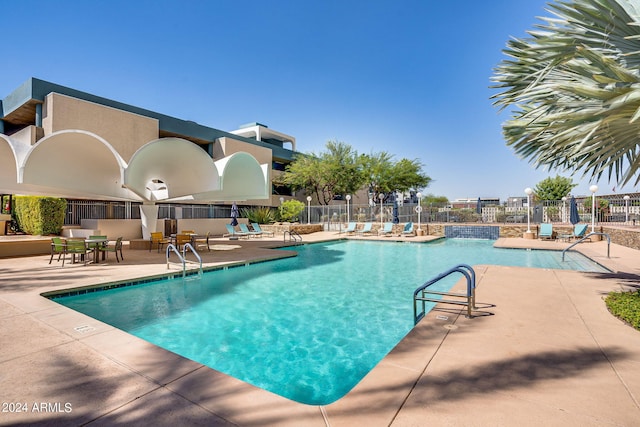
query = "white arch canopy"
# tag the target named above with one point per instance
(80, 164)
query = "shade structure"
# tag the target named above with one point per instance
(574, 216)
(234, 214)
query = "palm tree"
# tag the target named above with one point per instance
(574, 90)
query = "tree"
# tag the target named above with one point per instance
(574, 85)
(385, 177)
(338, 170)
(433, 199)
(554, 188)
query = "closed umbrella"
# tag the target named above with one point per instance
(396, 220)
(479, 206)
(574, 216)
(234, 214)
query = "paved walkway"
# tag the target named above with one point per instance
(547, 352)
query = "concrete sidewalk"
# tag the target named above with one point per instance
(549, 353)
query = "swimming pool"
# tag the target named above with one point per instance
(309, 327)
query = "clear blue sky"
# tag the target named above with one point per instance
(408, 77)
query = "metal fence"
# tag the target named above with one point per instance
(611, 211)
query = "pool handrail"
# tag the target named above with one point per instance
(593, 233)
(470, 295)
(293, 236)
(172, 248)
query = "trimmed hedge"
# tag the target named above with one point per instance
(40, 216)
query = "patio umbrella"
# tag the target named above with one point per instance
(574, 217)
(234, 214)
(396, 220)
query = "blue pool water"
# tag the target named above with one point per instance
(309, 327)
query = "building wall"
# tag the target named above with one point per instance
(125, 131)
(227, 146)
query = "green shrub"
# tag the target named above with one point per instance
(261, 215)
(40, 215)
(290, 210)
(625, 306)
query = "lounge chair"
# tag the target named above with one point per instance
(351, 228)
(115, 248)
(365, 229)
(158, 239)
(579, 230)
(231, 232)
(546, 232)
(408, 230)
(386, 230)
(245, 230)
(256, 227)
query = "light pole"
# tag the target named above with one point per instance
(381, 196)
(348, 198)
(593, 190)
(419, 209)
(564, 209)
(626, 208)
(308, 209)
(528, 191)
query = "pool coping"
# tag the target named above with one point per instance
(196, 392)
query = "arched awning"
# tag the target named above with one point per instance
(169, 168)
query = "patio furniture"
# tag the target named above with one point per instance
(75, 247)
(408, 229)
(158, 239)
(257, 227)
(96, 243)
(181, 239)
(365, 229)
(245, 229)
(546, 232)
(386, 230)
(233, 234)
(202, 242)
(117, 247)
(58, 246)
(351, 228)
(579, 230)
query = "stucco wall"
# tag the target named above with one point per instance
(125, 131)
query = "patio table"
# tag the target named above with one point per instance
(96, 248)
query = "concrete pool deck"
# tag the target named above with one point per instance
(548, 354)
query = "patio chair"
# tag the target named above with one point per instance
(386, 230)
(158, 238)
(351, 228)
(579, 230)
(257, 227)
(202, 242)
(231, 232)
(365, 229)
(57, 247)
(408, 229)
(546, 232)
(117, 247)
(77, 247)
(181, 239)
(187, 232)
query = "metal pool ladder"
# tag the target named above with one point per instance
(588, 237)
(294, 236)
(469, 298)
(183, 258)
